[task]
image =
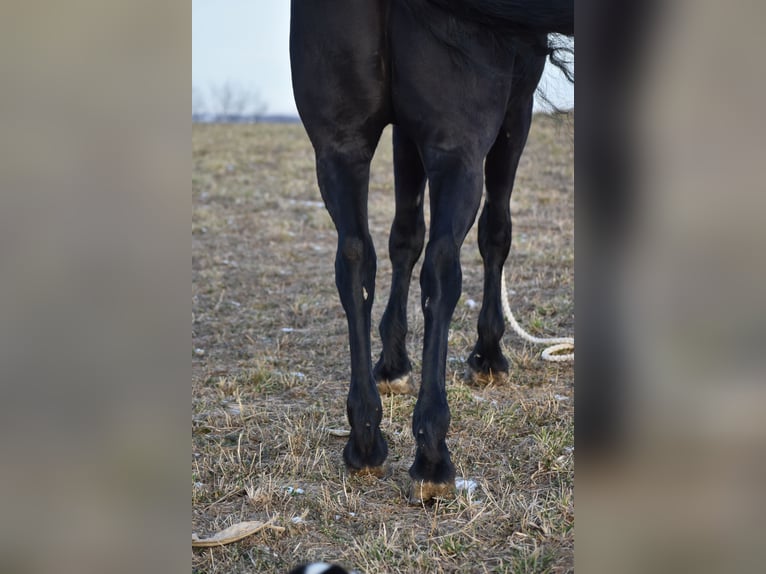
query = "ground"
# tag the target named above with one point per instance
(270, 370)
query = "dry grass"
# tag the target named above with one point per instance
(270, 366)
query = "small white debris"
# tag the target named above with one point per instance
(305, 203)
(232, 408)
(287, 329)
(466, 484)
(471, 304)
(561, 397)
(291, 490)
(364, 293)
(198, 486)
(199, 352)
(569, 449)
(352, 513)
(297, 520)
(337, 517)
(480, 399)
(338, 432)
(298, 375)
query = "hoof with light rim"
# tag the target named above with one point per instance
(424, 491)
(399, 386)
(376, 471)
(483, 379)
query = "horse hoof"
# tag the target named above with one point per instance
(482, 379)
(400, 386)
(424, 491)
(376, 471)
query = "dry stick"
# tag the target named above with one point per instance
(235, 533)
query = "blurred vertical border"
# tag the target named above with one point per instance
(95, 163)
(670, 427)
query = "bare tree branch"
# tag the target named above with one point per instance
(235, 103)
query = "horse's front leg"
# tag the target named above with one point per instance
(343, 180)
(455, 196)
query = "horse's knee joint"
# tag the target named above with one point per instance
(443, 249)
(352, 248)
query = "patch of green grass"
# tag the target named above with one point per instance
(536, 560)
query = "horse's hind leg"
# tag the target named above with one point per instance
(343, 180)
(340, 71)
(393, 371)
(487, 362)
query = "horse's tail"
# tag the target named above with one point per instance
(536, 16)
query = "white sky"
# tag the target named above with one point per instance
(245, 42)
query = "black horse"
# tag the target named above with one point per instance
(456, 78)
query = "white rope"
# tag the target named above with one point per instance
(557, 344)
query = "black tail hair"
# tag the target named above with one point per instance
(561, 55)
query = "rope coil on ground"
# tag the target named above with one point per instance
(552, 353)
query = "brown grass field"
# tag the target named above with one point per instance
(270, 368)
